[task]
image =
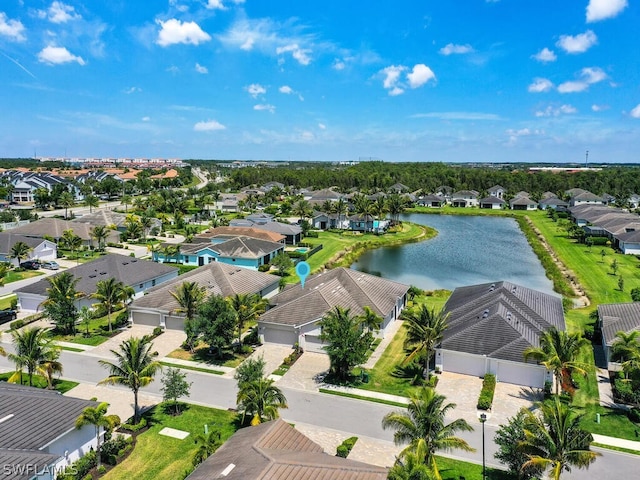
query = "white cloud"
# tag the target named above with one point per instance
(58, 55)
(588, 76)
(146, 119)
(635, 113)
(322, 126)
(300, 54)
(264, 106)
(174, 31)
(200, 69)
(599, 108)
(472, 116)
(545, 55)
(131, 90)
(540, 85)
(552, 111)
(256, 89)
(286, 89)
(173, 70)
(420, 75)
(14, 29)
(579, 43)
(602, 9)
(392, 75)
(452, 48)
(59, 12)
(208, 126)
(215, 5)
(339, 64)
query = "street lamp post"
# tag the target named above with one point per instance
(483, 419)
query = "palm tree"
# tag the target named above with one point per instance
(111, 294)
(554, 439)
(248, 307)
(189, 296)
(370, 320)
(395, 204)
(4, 269)
(411, 466)
(302, 209)
(424, 421)
(20, 251)
(66, 201)
(626, 350)
(379, 207)
(341, 208)
(92, 202)
(33, 347)
(97, 416)
(50, 365)
(558, 352)
(60, 305)
(425, 329)
(100, 233)
(146, 222)
(134, 368)
(72, 241)
(260, 400)
(208, 444)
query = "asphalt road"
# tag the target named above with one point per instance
(344, 414)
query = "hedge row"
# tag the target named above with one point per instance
(345, 447)
(486, 394)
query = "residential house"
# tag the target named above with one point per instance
(109, 218)
(275, 450)
(158, 307)
(492, 202)
(271, 185)
(489, 328)
(554, 203)
(399, 188)
(229, 204)
(40, 249)
(497, 191)
(634, 200)
(55, 228)
(323, 221)
(220, 234)
(140, 275)
(444, 191)
(572, 192)
(367, 223)
(38, 434)
(586, 198)
(614, 318)
(296, 311)
(464, 198)
(523, 203)
(263, 221)
(25, 184)
(318, 197)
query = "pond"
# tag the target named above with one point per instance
(468, 250)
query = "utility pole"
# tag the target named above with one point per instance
(586, 159)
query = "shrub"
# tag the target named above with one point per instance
(345, 447)
(134, 427)
(102, 470)
(252, 338)
(16, 324)
(634, 415)
(486, 394)
(264, 268)
(80, 468)
(312, 234)
(157, 331)
(121, 319)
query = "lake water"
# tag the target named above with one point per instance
(468, 250)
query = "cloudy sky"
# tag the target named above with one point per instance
(408, 80)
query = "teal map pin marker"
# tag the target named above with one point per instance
(303, 270)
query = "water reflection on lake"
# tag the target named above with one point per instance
(468, 250)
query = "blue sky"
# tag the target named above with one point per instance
(409, 80)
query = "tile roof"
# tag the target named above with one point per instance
(500, 319)
(277, 451)
(242, 231)
(618, 317)
(338, 287)
(130, 271)
(22, 464)
(55, 227)
(217, 278)
(246, 247)
(9, 239)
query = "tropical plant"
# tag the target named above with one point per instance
(66, 201)
(92, 202)
(302, 209)
(33, 347)
(50, 365)
(71, 241)
(110, 294)
(20, 251)
(341, 208)
(251, 370)
(208, 444)
(282, 262)
(260, 400)
(216, 323)
(411, 466)
(508, 439)
(60, 305)
(96, 416)
(85, 315)
(626, 350)
(554, 439)
(395, 205)
(559, 352)
(425, 329)
(134, 368)
(100, 233)
(189, 296)
(424, 421)
(248, 307)
(174, 386)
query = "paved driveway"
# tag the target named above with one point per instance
(307, 372)
(163, 344)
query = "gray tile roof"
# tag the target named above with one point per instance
(499, 320)
(9, 239)
(492, 200)
(338, 287)
(22, 464)
(277, 451)
(130, 271)
(241, 231)
(618, 317)
(246, 247)
(217, 278)
(55, 227)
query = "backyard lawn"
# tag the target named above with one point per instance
(5, 302)
(156, 457)
(39, 381)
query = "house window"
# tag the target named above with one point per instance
(153, 282)
(141, 286)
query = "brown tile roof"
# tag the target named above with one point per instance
(242, 231)
(217, 278)
(277, 451)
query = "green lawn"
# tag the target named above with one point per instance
(157, 457)
(98, 332)
(5, 302)
(451, 469)
(229, 358)
(195, 369)
(13, 276)
(39, 381)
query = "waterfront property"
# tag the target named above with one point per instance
(614, 318)
(158, 307)
(296, 311)
(491, 325)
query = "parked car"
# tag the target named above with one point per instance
(30, 265)
(7, 316)
(51, 265)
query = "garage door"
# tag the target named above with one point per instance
(460, 363)
(312, 343)
(31, 302)
(47, 254)
(146, 318)
(281, 336)
(174, 323)
(521, 374)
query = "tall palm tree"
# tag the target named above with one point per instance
(425, 329)
(189, 296)
(260, 400)
(92, 202)
(32, 347)
(97, 416)
(66, 201)
(395, 205)
(554, 439)
(626, 350)
(379, 207)
(134, 368)
(248, 307)
(100, 233)
(424, 421)
(50, 365)
(110, 293)
(146, 222)
(341, 208)
(559, 352)
(207, 445)
(60, 305)
(72, 241)
(20, 251)
(370, 320)
(302, 209)
(411, 466)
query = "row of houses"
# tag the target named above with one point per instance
(621, 227)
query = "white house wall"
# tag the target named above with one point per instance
(70, 447)
(630, 248)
